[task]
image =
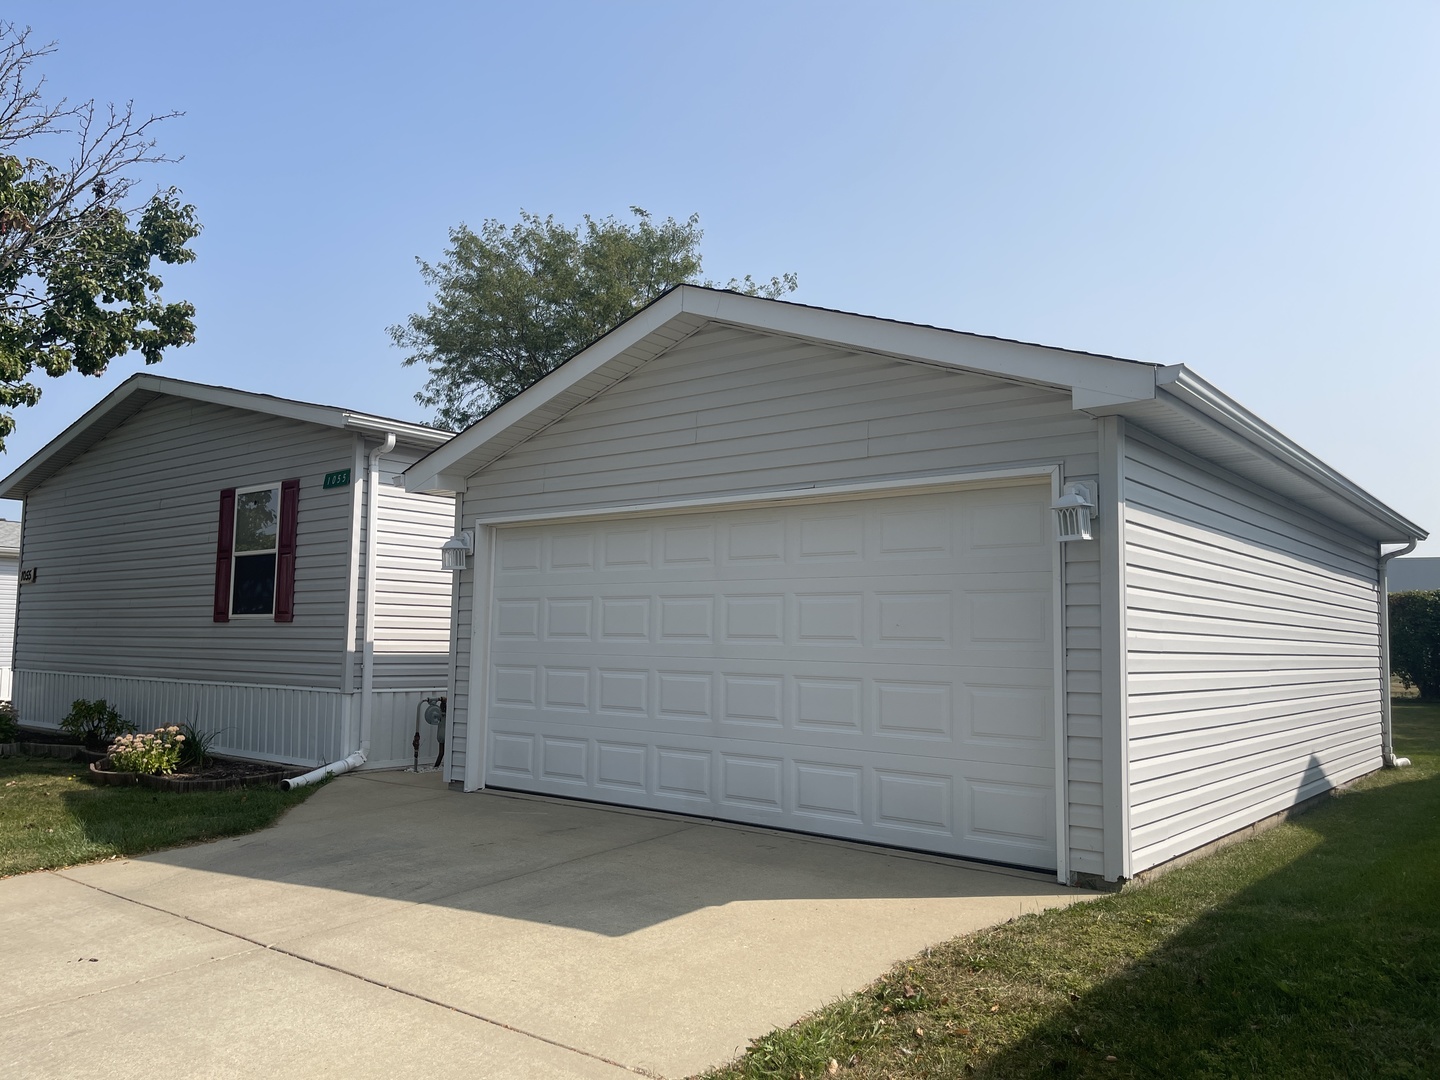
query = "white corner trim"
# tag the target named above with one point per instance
(477, 689)
(1062, 756)
(1114, 674)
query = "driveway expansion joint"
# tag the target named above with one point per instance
(350, 974)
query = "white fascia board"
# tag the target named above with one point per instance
(88, 420)
(1112, 379)
(426, 474)
(245, 400)
(1182, 384)
(242, 399)
(323, 415)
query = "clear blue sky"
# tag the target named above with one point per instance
(1250, 189)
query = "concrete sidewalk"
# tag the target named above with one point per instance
(390, 927)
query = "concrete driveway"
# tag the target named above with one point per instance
(391, 927)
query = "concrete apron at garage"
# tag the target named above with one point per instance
(389, 926)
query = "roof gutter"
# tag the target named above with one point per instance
(1183, 385)
(1387, 720)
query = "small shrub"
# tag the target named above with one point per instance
(95, 723)
(9, 722)
(154, 752)
(1415, 640)
(195, 748)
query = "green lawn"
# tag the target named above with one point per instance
(51, 816)
(1310, 951)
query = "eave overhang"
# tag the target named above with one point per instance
(1172, 402)
(141, 389)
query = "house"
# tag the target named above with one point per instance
(198, 554)
(793, 567)
(1408, 574)
(9, 583)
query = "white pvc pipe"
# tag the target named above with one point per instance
(1387, 739)
(367, 666)
(372, 536)
(314, 776)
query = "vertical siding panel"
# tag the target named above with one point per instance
(295, 725)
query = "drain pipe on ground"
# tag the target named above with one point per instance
(367, 661)
(1387, 744)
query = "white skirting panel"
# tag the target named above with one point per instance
(7, 683)
(271, 723)
(393, 729)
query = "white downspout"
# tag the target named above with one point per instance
(1387, 743)
(367, 661)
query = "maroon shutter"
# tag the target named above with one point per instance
(223, 552)
(285, 553)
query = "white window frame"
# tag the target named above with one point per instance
(236, 553)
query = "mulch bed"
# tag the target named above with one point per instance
(219, 775)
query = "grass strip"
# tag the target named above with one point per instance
(1312, 950)
(51, 816)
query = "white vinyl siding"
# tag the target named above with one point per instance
(1252, 653)
(412, 601)
(729, 411)
(412, 590)
(9, 585)
(124, 542)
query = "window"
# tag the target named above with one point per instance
(255, 557)
(257, 532)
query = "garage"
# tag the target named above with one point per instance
(877, 669)
(802, 568)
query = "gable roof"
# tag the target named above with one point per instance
(9, 537)
(1172, 401)
(141, 389)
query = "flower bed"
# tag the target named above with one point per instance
(220, 774)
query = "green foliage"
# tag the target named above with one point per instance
(513, 302)
(154, 752)
(195, 746)
(76, 250)
(9, 722)
(95, 723)
(50, 816)
(1415, 640)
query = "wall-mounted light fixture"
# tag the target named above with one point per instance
(456, 550)
(1073, 511)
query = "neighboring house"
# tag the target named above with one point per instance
(1408, 574)
(201, 555)
(781, 565)
(9, 582)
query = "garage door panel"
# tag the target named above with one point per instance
(993, 531)
(878, 669)
(987, 714)
(1008, 621)
(912, 801)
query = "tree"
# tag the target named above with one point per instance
(76, 245)
(1415, 640)
(513, 302)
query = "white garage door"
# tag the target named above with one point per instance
(880, 670)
